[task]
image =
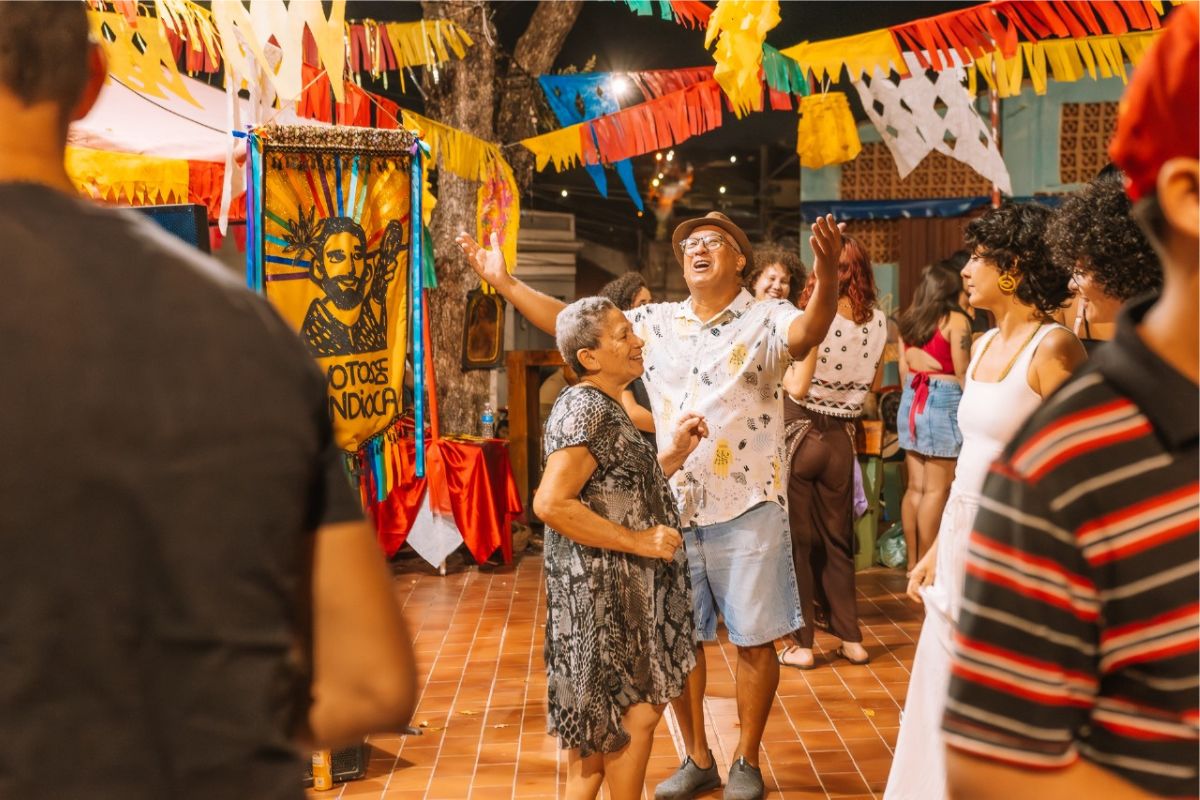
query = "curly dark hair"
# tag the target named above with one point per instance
(622, 290)
(1013, 239)
(1094, 232)
(770, 253)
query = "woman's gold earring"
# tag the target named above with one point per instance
(1007, 283)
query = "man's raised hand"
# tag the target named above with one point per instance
(826, 243)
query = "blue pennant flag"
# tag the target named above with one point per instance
(579, 98)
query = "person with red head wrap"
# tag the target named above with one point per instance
(1075, 664)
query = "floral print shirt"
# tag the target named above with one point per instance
(729, 369)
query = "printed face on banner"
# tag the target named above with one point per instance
(335, 258)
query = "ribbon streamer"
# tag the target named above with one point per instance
(416, 277)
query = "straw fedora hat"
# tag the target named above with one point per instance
(712, 219)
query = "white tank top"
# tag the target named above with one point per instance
(990, 414)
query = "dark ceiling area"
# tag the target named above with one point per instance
(743, 156)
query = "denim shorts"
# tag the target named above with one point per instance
(938, 435)
(743, 569)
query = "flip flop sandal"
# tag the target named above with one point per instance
(840, 653)
(787, 650)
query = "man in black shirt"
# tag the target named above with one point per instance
(175, 524)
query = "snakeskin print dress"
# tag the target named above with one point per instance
(619, 627)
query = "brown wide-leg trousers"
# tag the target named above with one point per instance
(821, 518)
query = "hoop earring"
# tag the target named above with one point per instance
(1007, 283)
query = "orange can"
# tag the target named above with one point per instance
(322, 770)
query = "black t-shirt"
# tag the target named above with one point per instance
(169, 454)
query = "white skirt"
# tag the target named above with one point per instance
(919, 765)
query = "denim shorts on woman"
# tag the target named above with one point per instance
(938, 435)
(743, 570)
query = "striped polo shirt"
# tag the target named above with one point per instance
(1079, 629)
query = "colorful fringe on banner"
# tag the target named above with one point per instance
(473, 159)
(977, 31)
(692, 13)
(739, 28)
(826, 133)
(126, 178)
(326, 205)
(378, 48)
(1066, 60)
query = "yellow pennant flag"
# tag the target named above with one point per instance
(562, 147)
(860, 54)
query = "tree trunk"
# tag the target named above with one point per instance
(534, 55)
(464, 98)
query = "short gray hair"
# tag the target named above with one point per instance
(579, 326)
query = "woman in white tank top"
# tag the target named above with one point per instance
(1013, 367)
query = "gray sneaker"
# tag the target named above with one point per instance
(745, 782)
(688, 781)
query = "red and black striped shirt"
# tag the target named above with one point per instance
(1079, 629)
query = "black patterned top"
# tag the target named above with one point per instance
(619, 627)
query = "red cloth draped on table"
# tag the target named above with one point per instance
(472, 481)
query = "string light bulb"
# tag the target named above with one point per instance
(721, 189)
(655, 182)
(670, 155)
(733, 159)
(564, 192)
(658, 156)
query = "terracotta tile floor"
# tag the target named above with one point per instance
(482, 714)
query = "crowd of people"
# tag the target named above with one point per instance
(1051, 510)
(200, 587)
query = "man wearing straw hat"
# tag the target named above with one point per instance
(722, 356)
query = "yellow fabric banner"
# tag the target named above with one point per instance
(127, 178)
(740, 28)
(335, 239)
(859, 54)
(826, 133)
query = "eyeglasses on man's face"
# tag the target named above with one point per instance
(710, 243)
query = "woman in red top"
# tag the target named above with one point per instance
(936, 340)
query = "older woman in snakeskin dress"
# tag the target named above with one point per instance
(620, 636)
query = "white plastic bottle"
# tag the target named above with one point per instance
(487, 421)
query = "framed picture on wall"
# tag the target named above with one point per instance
(483, 331)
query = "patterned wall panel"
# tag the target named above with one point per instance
(1084, 131)
(873, 176)
(880, 237)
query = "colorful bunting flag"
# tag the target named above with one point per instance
(920, 115)
(581, 97)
